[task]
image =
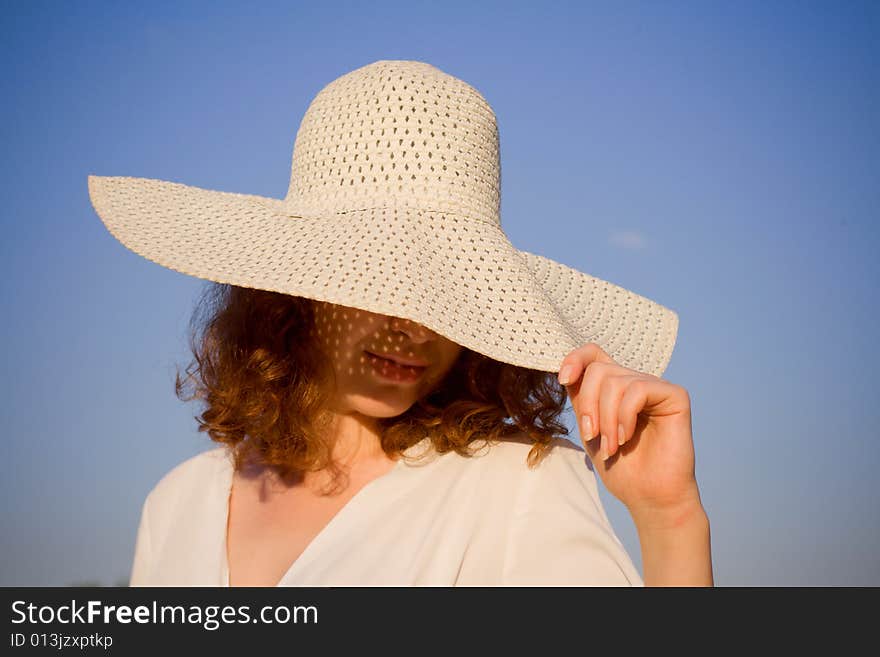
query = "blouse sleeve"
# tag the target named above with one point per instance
(559, 533)
(143, 549)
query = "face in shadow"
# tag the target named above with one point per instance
(383, 364)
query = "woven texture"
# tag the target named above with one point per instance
(393, 207)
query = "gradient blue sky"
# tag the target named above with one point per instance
(719, 158)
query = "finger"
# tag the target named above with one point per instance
(633, 401)
(574, 364)
(591, 447)
(610, 394)
(586, 403)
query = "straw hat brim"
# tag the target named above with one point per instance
(458, 276)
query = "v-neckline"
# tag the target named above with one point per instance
(344, 510)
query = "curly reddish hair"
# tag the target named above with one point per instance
(265, 384)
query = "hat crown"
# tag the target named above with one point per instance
(396, 133)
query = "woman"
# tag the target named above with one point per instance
(380, 366)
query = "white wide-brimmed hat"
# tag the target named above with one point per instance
(394, 207)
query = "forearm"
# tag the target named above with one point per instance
(676, 547)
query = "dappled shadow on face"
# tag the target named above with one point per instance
(385, 350)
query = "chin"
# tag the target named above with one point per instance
(381, 409)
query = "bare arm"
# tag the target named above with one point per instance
(676, 546)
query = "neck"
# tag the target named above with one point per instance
(355, 439)
(357, 449)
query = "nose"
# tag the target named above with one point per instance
(413, 330)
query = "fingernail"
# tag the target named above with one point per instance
(564, 374)
(604, 448)
(587, 427)
(621, 435)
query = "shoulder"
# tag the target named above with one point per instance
(178, 519)
(562, 482)
(560, 455)
(564, 465)
(505, 463)
(559, 532)
(189, 476)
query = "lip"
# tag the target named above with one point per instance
(399, 360)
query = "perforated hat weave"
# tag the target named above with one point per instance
(393, 207)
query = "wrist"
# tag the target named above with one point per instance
(678, 556)
(685, 512)
(676, 544)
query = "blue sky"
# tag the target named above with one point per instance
(722, 159)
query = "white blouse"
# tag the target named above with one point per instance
(446, 520)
